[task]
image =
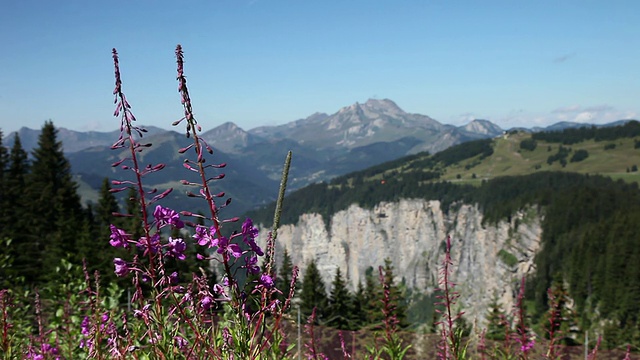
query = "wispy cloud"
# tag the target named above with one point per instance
(91, 126)
(566, 109)
(594, 114)
(563, 58)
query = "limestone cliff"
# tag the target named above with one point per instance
(488, 258)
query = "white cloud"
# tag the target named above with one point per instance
(91, 126)
(594, 114)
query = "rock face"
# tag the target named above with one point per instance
(488, 258)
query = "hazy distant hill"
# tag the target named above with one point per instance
(324, 146)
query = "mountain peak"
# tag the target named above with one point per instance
(385, 105)
(228, 126)
(484, 127)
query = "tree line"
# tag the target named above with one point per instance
(42, 218)
(576, 135)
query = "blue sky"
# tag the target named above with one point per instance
(264, 62)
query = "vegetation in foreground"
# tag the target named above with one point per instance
(175, 307)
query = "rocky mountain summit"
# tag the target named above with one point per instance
(374, 121)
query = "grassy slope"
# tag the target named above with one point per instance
(509, 159)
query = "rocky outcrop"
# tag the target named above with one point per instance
(488, 258)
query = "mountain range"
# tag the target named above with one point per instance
(324, 146)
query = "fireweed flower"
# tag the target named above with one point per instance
(224, 245)
(84, 326)
(249, 234)
(525, 348)
(252, 265)
(206, 302)
(176, 248)
(165, 216)
(173, 278)
(266, 281)
(122, 269)
(149, 245)
(205, 237)
(119, 238)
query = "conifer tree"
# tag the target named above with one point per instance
(283, 279)
(497, 326)
(340, 302)
(16, 223)
(132, 206)
(101, 257)
(313, 293)
(565, 325)
(358, 308)
(4, 206)
(5, 254)
(373, 298)
(396, 294)
(53, 198)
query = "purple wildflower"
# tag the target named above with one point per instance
(266, 281)
(249, 234)
(176, 248)
(149, 245)
(252, 265)
(122, 269)
(224, 245)
(165, 216)
(218, 289)
(206, 303)
(173, 278)
(119, 237)
(525, 348)
(205, 237)
(84, 326)
(248, 230)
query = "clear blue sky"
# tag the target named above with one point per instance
(266, 62)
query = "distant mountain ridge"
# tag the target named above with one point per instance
(324, 146)
(373, 121)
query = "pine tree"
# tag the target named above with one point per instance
(6, 258)
(4, 205)
(340, 302)
(497, 321)
(54, 203)
(313, 293)
(564, 326)
(17, 222)
(132, 206)
(283, 279)
(358, 314)
(373, 298)
(98, 251)
(396, 294)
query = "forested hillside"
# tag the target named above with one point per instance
(42, 220)
(590, 222)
